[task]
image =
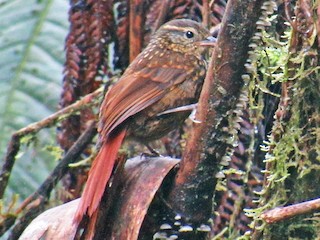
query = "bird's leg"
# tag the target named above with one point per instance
(154, 153)
(192, 115)
(190, 107)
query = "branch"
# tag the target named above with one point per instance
(136, 27)
(165, 6)
(14, 144)
(282, 213)
(191, 195)
(36, 201)
(205, 12)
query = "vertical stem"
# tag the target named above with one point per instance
(194, 185)
(136, 27)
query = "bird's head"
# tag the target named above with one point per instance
(185, 36)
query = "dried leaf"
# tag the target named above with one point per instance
(55, 223)
(141, 181)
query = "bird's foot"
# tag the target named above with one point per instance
(153, 152)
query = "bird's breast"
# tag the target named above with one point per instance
(147, 125)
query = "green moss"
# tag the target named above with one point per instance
(292, 150)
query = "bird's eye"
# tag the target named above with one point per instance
(189, 34)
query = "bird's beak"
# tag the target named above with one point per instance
(209, 41)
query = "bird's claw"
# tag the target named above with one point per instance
(192, 116)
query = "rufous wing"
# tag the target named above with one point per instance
(135, 92)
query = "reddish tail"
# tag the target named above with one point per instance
(99, 175)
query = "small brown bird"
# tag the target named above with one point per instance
(169, 73)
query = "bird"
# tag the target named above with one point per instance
(166, 75)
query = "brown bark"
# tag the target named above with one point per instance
(194, 185)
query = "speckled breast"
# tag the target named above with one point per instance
(148, 125)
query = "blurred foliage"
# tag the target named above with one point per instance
(32, 35)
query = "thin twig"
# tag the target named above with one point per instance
(62, 166)
(37, 200)
(163, 13)
(282, 213)
(136, 27)
(205, 13)
(14, 144)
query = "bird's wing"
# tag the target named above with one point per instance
(134, 92)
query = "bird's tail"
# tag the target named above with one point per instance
(99, 175)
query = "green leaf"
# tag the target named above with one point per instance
(32, 35)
